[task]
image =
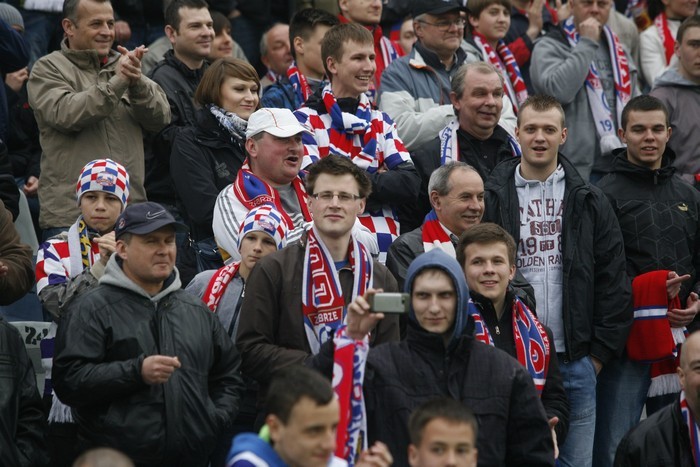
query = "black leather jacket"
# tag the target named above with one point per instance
(22, 420)
(100, 347)
(661, 440)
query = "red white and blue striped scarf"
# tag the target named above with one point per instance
(531, 342)
(434, 235)
(349, 361)
(605, 122)
(513, 82)
(299, 84)
(693, 430)
(323, 305)
(251, 191)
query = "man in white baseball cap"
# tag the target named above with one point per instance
(270, 175)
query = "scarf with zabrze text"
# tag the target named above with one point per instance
(322, 299)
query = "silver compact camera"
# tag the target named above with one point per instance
(389, 303)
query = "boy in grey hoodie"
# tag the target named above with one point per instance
(679, 89)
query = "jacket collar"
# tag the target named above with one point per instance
(622, 165)
(87, 59)
(188, 73)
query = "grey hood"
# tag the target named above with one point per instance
(114, 275)
(672, 77)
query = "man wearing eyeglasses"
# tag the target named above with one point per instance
(584, 65)
(415, 89)
(297, 297)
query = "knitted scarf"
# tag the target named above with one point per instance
(218, 284)
(322, 299)
(605, 123)
(531, 342)
(514, 85)
(434, 235)
(299, 84)
(353, 135)
(449, 143)
(651, 338)
(83, 254)
(388, 53)
(693, 429)
(349, 360)
(251, 191)
(661, 23)
(231, 122)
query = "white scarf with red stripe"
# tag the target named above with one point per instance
(605, 122)
(661, 24)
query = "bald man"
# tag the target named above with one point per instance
(663, 436)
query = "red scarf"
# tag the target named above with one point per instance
(531, 342)
(661, 23)
(435, 236)
(218, 284)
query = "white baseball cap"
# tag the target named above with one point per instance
(278, 122)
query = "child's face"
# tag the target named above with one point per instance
(492, 23)
(444, 444)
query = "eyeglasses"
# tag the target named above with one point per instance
(444, 26)
(343, 197)
(602, 4)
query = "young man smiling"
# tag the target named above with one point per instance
(659, 216)
(342, 122)
(486, 252)
(570, 250)
(489, 21)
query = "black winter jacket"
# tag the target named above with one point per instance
(22, 420)
(179, 84)
(100, 348)
(661, 440)
(553, 397)
(205, 160)
(400, 376)
(597, 302)
(659, 215)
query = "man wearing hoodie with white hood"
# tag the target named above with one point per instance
(570, 250)
(679, 89)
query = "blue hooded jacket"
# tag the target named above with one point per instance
(438, 259)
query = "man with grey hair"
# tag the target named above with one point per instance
(88, 100)
(473, 136)
(456, 194)
(415, 88)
